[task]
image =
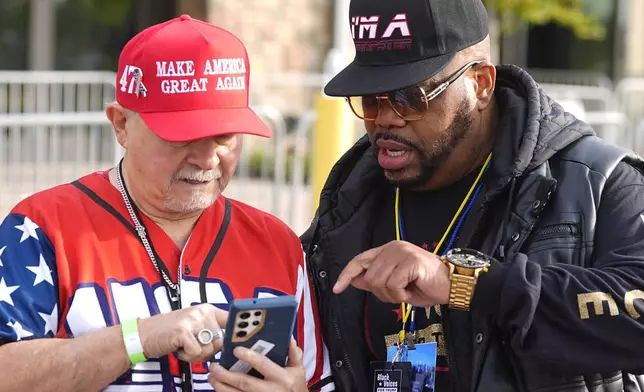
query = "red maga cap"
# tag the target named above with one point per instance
(188, 80)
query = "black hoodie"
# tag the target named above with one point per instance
(537, 316)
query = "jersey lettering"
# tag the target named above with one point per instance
(217, 293)
(90, 309)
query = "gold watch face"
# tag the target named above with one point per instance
(467, 258)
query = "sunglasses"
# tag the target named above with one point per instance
(410, 104)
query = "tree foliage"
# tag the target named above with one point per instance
(568, 13)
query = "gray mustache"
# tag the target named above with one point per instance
(201, 176)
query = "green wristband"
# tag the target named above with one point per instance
(132, 341)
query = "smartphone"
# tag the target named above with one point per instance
(264, 325)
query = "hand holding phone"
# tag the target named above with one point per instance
(263, 325)
(291, 378)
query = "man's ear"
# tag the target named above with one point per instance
(118, 116)
(485, 78)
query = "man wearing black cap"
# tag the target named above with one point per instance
(475, 203)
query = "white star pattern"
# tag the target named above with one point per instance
(28, 295)
(5, 292)
(28, 229)
(20, 332)
(51, 320)
(42, 271)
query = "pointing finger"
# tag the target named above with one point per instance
(355, 268)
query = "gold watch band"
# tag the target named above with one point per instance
(460, 294)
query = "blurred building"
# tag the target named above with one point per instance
(288, 39)
(549, 48)
(53, 130)
(282, 36)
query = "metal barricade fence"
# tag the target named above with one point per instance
(630, 95)
(570, 77)
(53, 130)
(594, 98)
(271, 173)
(599, 106)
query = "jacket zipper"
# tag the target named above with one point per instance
(309, 270)
(447, 335)
(445, 318)
(555, 230)
(345, 356)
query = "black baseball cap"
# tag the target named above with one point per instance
(400, 43)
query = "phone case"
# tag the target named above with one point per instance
(264, 325)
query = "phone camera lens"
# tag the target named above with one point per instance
(243, 324)
(241, 334)
(258, 313)
(244, 315)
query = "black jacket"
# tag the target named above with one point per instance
(559, 309)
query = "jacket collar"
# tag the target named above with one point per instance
(532, 128)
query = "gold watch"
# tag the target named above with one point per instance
(465, 265)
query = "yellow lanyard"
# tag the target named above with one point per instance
(406, 309)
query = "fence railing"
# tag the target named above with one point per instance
(603, 108)
(53, 130)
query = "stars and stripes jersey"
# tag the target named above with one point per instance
(71, 263)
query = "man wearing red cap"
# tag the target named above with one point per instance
(128, 262)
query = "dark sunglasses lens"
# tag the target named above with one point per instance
(410, 100)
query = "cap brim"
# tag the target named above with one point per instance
(183, 126)
(357, 80)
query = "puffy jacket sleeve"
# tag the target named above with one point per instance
(581, 320)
